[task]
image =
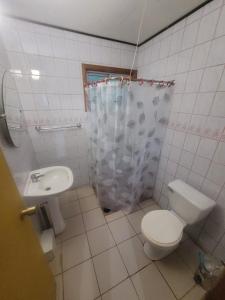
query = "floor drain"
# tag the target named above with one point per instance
(48, 188)
(106, 210)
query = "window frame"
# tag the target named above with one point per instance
(107, 69)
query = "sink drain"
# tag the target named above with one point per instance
(48, 188)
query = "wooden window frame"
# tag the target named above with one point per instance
(97, 68)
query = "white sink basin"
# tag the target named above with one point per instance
(53, 180)
(49, 182)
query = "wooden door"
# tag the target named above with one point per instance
(24, 272)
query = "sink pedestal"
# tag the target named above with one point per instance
(56, 216)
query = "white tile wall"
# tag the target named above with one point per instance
(20, 160)
(57, 97)
(193, 53)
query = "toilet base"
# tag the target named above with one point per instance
(157, 253)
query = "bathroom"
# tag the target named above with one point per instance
(93, 234)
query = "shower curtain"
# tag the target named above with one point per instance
(127, 123)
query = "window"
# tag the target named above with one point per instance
(95, 72)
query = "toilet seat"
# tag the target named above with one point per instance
(162, 228)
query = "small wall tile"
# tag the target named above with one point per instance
(218, 108)
(216, 173)
(207, 26)
(220, 30)
(190, 34)
(207, 148)
(200, 54)
(203, 103)
(217, 52)
(211, 79)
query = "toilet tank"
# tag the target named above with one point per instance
(188, 203)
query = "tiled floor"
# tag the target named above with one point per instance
(101, 257)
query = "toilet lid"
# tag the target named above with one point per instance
(162, 227)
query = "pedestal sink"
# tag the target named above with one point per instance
(47, 183)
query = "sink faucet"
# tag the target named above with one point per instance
(36, 176)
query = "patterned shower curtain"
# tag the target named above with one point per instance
(127, 123)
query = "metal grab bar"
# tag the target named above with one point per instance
(16, 128)
(55, 128)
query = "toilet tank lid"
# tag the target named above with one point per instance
(191, 194)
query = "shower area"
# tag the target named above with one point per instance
(127, 121)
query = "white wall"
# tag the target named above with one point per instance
(193, 53)
(57, 97)
(20, 160)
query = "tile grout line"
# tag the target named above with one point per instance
(203, 73)
(92, 262)
(124, 263)
(115, 246)
(188, 292)
(151, 262)
(204, 68)
(116, 243)
(167, 283)
(129, 275)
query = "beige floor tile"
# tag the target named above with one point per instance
(80, 282)
(93, 219)
(128, 211)
(70, 209)
(109, 268)
(59, 287)
(195, 294)
(121, 230)
(75, 251)
(142, 238)
(177, 274)
(88, 203)
(123, 291)
(56, 263)
(151, 208)
(100, 239)
(114, 216)
(146, 203)
(68, 197)
(188, 251)
(135, 220)
(74, 226)
(133, 255)
(84, 191)
(150, 285)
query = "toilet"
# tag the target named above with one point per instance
(163, 229)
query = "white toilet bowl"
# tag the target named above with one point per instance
(163, 232)
(163, 229)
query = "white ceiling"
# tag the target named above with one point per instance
(116, 19)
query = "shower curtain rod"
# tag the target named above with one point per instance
(160, 83)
